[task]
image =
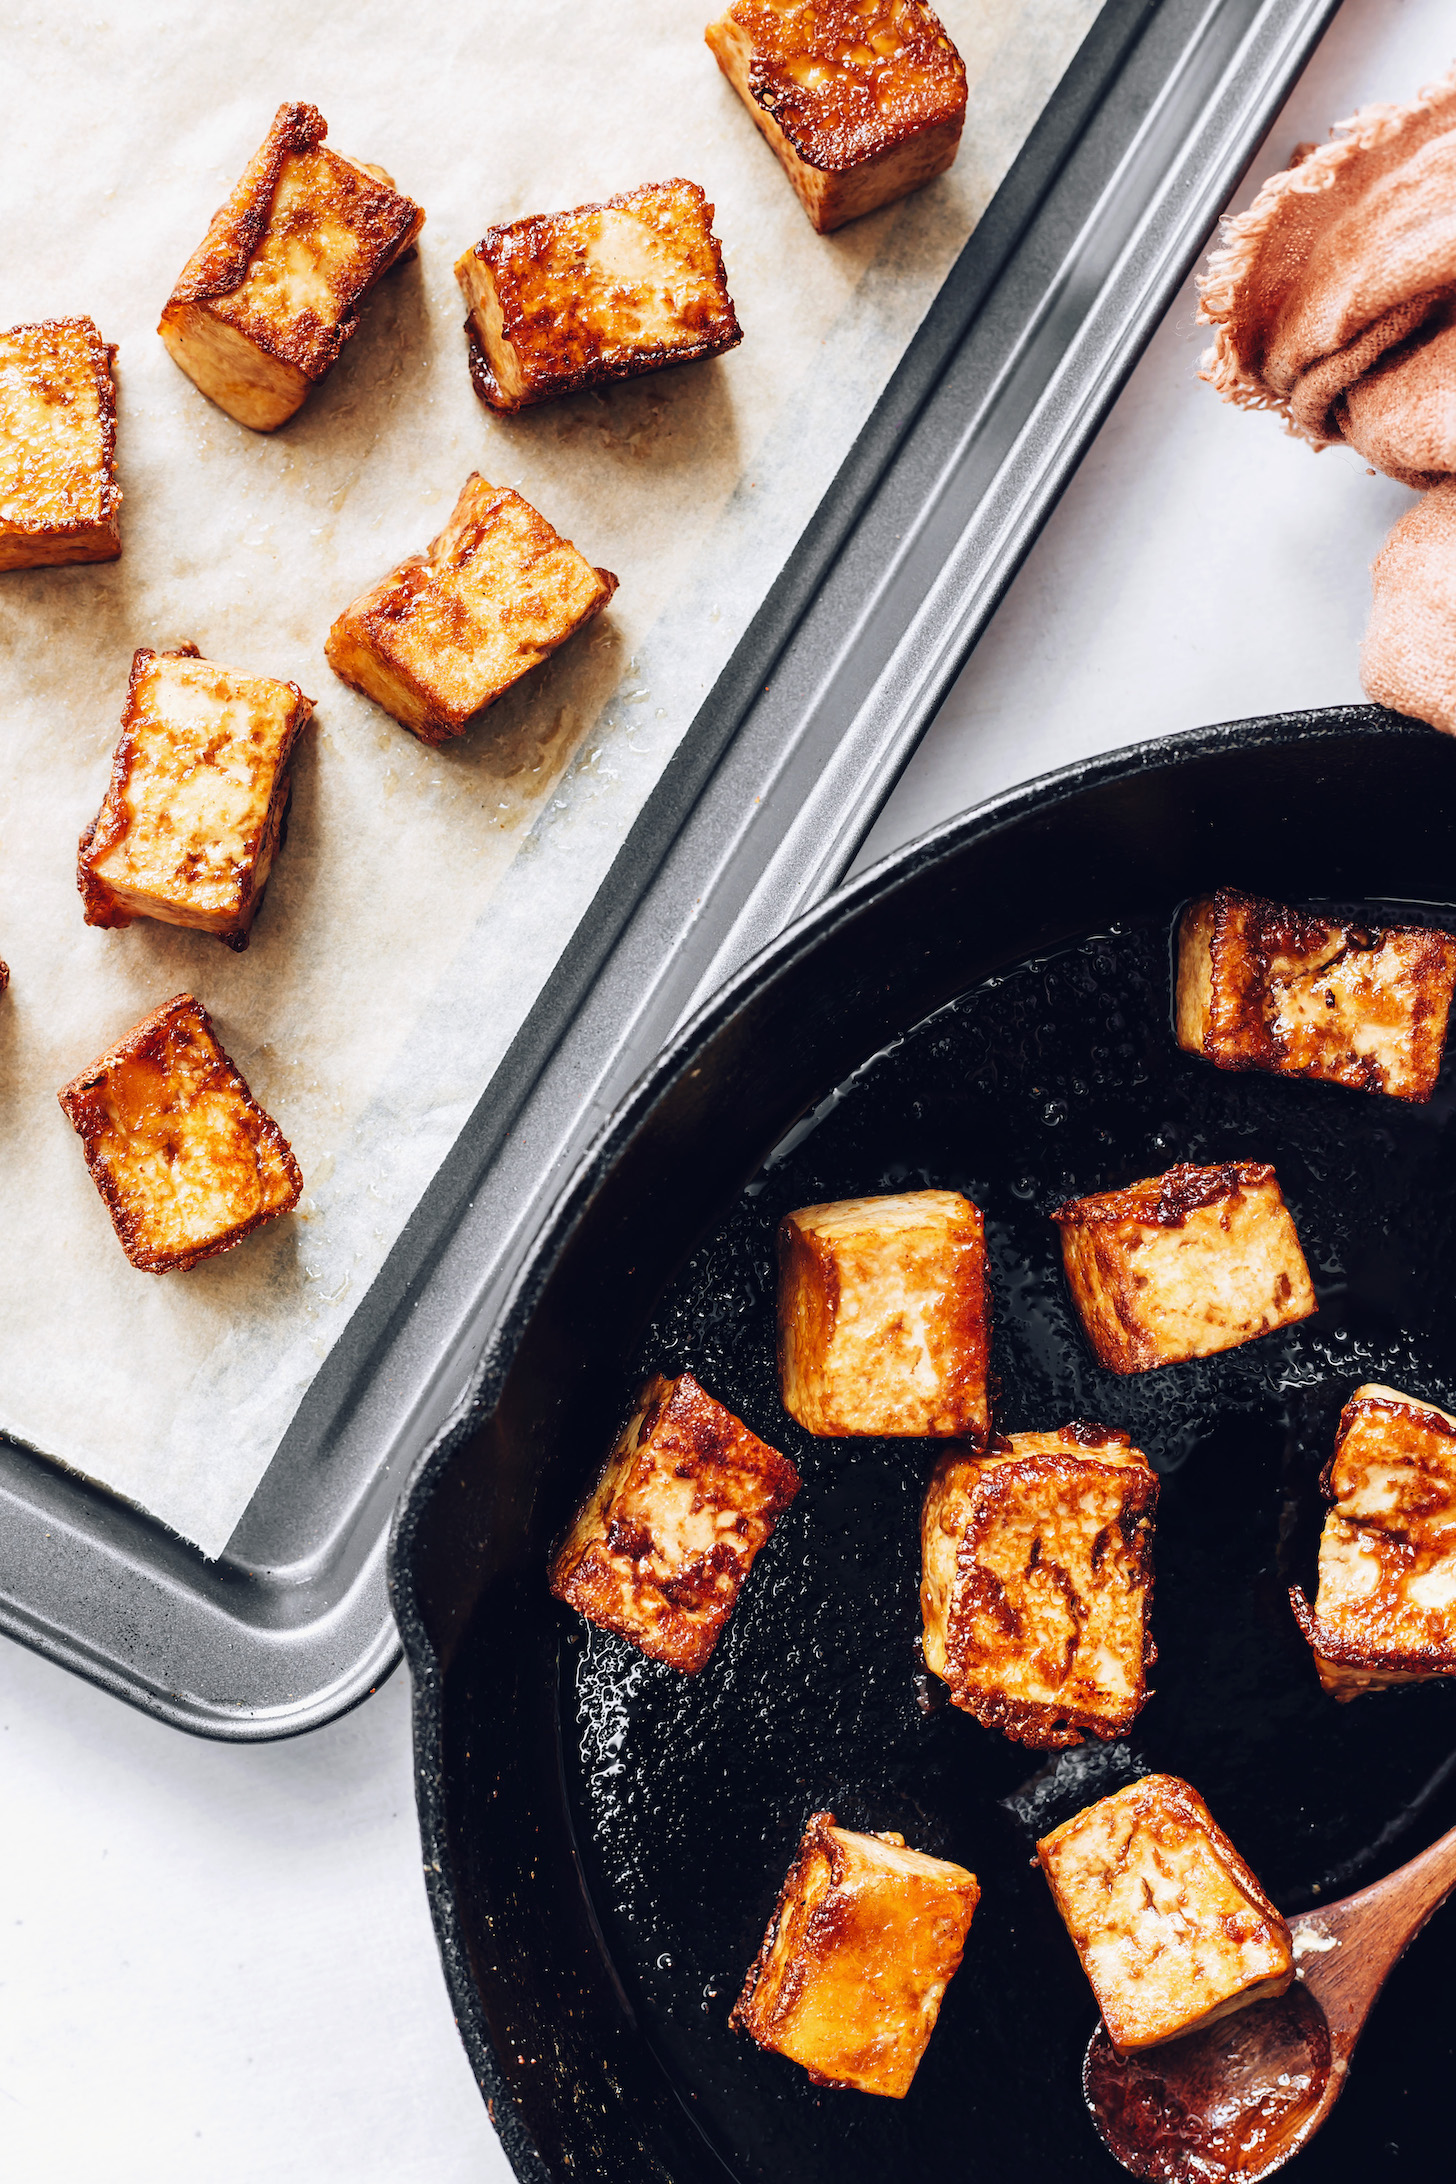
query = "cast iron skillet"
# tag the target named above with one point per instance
(603, 1840)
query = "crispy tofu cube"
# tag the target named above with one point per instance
(1172, 1928)
(185, 1159)
(1385, 1610)
(862, 100)
(660, 1549)
(1261, 986)
(567, 300)
(268, 299)
(1037, 1579)
(864, 1940)
(884, 1322)
(1184, 1264)
(450, 629)
(59, 499)
(200, 781)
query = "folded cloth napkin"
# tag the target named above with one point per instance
(1333, 303)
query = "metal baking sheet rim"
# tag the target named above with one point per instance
(138, 1580)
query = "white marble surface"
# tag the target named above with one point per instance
(216, 1964)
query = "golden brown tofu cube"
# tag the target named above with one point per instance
(884, 1323)
(272, 293)
(568, 300)
(185, 1159)
(1172, 1928)
(189, 826)
(59, 499)
(661, 1548)
(1184, 1264)
(452, 628)
(864, 1940)
(1037, 1564)
(1261, 986)
(1385, 1611)
(862, 100)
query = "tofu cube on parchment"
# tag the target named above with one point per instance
(185, 1159)
(266, 302)
(660, 1549)
(567, 300)
(1385, 1610)
(862, 100)
(1172, 1928)
(1261, 986)
(59, 499)
(1183, 1264)
(452, 628)
(200, 781)
(1037, 1581)
(864, 1940)
(884, 1321)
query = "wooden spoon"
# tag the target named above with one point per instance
(1237, 2100)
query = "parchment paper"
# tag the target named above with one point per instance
(423, 896)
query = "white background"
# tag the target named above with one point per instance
(216, 1963)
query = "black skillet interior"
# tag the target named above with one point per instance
(607, 1837)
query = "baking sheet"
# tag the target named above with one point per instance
(422, 897)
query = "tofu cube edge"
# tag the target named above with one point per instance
(884, 1317)
(193, 812)
(859, 1950)
(1172, 1927)
(661, 1547)
(59, 497)
(184, 1159)
(449, 630)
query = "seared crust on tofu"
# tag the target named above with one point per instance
(187, 1162)
(59, 499)
(1038, 1579)
(268, 299)
(568, 300)
(1172, 1928)
(1261, 986)
(200, 783)
(450, 629)
(862, 100)
(864, 1940)
(883, 1316)
(1184, 1264)
(661, 1548)
(1385, 1611)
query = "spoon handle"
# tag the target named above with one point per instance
(1367, 1933)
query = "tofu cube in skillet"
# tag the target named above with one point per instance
(449, 630)
(1261, 986)
(186, 1161)
(1183, 1264)
(59, 499)
(200, 781)
(1038, 1577)
(265, 303)
(570, 300)
(660, 1549)
(1385, 1611)
(884, 1322)
(861, 100)
(864, 1940)
(1172, 1928)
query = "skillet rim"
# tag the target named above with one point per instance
(1008, 807)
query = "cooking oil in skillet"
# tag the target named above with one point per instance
(1056, 1078)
